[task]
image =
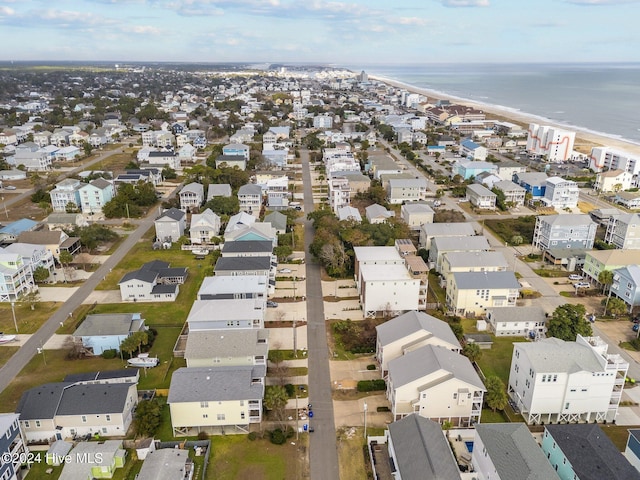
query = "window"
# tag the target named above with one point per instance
(26, 424)
(84, 419)
(37, 423)
(205, 416)
(204, 404)
(108, 417)
(221, 416)
(242, 415)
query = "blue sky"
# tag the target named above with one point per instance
(358, 32)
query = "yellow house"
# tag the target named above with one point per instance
(216, 399)
(475, 292)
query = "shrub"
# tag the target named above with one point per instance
(371, 367)
(277, 437)
(109, 354)
(252, 436)
(291, 390)
(371, 385)
(382, 409)
(203, 436)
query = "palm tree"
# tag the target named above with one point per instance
(605, 277)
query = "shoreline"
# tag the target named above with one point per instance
(584, 137)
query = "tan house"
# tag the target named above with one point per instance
(55, 241)
(219, 348)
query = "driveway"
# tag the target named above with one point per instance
(56, 294)
(103, 296)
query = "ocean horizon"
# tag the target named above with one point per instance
(598, 98)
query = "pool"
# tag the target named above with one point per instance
(469, 446)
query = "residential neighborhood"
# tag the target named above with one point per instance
(312, 261)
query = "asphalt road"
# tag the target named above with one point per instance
(323, 450)
(84, 166)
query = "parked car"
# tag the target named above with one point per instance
(284, 270)
(582, 285)
(636, 327)
(10, 187)
(574, 276)
(272, 304)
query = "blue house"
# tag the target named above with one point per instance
(626, 285)
(583, 452)
(469, 168)
(534, 183)
(12, 231)
(12, 446)
(107, 331)
(632, 452)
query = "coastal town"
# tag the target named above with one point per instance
(235, 272)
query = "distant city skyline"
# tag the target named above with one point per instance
(358, 32)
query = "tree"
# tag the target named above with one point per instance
(496, 397)
(169, 173)
(134, 342)
(88, 148)
(32, 298)
(568, 321)
(40, 274)
(71, 207)
(148, 417)
(65, 260)
(472, 351)
(282, 252)
(275, 399)
(615, 305)
(223, 205)
(605, 278)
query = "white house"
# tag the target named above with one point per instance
(191, 196)
(529, 322)
(170, 225)
(623, 231)
(429, 231)
(561, 193)
(481, 197)
(378, 214)
(204, 226)
(409, 332)
(250, 199)
(613, 181)
(400, 190)
(556, 381)
(472, 262)
(436, 383)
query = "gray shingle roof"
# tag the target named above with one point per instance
(555, 355)
(567, 219)
(108, 324)
(476, 259)
(448, 229)
(523, 314)
(214, 384)
(514, 453)
(148, 276)
(429, 359)
(591, 453)
(65, 398)
(444, 244)
(250, 189)
(410, 322)
(226, 343)
(164, 464)
(422, 451)
(482, 280)
(242, 263)
(173, 213)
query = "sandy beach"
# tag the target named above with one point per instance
(584, 139)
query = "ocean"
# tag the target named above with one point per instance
(596, 97)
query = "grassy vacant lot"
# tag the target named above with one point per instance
(507, 228)
(6, 352)
(497, 360)
(235, 457)
(352, 459)
(29, 321)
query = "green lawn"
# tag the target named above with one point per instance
(29, 321)
(489, 416)
(497, 360)
(235, 457)
(6, 352)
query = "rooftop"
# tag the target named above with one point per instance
(411, 322)
(485, 280)
(223, 383)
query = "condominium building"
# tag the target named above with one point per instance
(554, 144)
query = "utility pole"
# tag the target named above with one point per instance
(295, 342)
(365, 420)
(13, 311)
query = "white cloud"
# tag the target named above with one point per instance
(142, 29)
(465, 3)
(6, 11)
(408, 21)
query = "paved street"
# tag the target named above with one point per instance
(323, 453)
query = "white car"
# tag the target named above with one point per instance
(573, 276)
(284, 270)
(582, 285)
(10, 187)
